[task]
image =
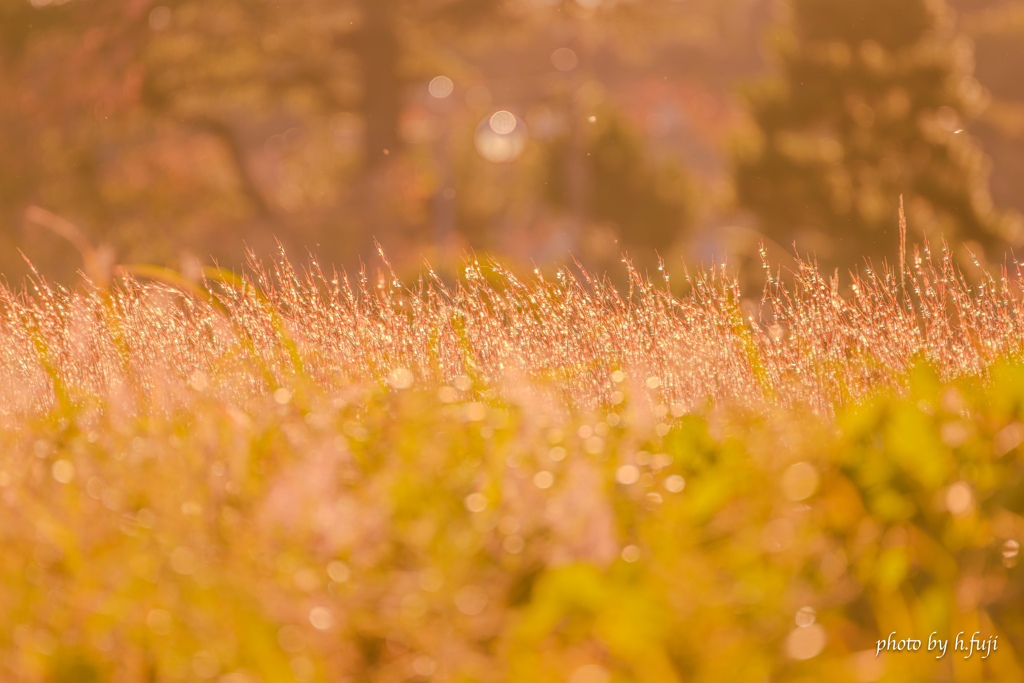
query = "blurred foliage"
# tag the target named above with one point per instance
(165, 130)
(396, 534)
(997, 30)
(870, 104)
(285, 476)
(648, 204)
(190, 119)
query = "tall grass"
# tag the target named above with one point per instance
(288, 475)
(147, 342)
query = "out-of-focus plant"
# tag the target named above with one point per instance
(870, 103)
(291, 477)
(650, 204)
(997, 33)
(179, 126)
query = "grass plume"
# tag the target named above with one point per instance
(805, 343)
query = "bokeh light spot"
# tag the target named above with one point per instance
(424, 665)
(513, 544)
(338, 571)
(959, 499)
(503, 122)
(805, 616)
(431, 579)
(160, 18)
(805, 642)
(799, 481)
(400, 378)
(471, 600)
(63, 471)
(564, 59)
(475, 411)
(290, 638)
(627, 474)
(441, 87)
(321, 618)
(1011, 549)
(476, 502)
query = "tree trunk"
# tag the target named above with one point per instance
(379, 52)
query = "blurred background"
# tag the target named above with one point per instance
(176, 132)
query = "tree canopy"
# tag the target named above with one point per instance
(869, 104)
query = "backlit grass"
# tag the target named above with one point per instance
(288, 475)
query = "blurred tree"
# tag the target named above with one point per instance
(167, 126)
(997, 30)
(401, 41)
(870, 104)
(649, 204)
(190, 124)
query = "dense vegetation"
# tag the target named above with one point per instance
(872, 101)
(283, 476)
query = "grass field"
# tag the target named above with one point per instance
(287, 475)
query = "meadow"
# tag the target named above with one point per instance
(292, 475)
